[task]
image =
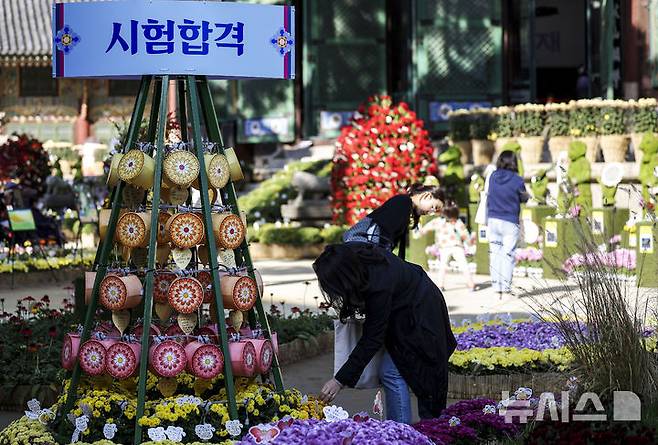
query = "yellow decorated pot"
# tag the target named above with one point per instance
(217, 170)
(113, 176)
(181, 169)
(137, 168)
(234, 165)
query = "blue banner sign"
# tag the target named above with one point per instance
(439, 110)
(126, 39)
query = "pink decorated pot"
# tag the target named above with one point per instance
(243, 358)
(70, 350)
(185, 295)
(122, 359)
(264, 355)
(161, 283)
(92, 356)
(204, 361)
(139, 329)
(238, 292)
(167, 359)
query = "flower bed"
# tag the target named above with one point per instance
(32, 263)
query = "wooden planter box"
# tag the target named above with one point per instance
(260, 251)
(491, 386)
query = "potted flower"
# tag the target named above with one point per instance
(520, 268)
(642, 116)
(612, 127)
(459, 129)
(534, 257)
(502, 130)
(558, 119)
(480, 128)
(584, 119)
(529, 121)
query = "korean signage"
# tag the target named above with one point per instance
(125, 39)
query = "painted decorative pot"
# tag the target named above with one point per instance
(185, 230)
(119, 293)
(163, 217)
(234, 165)
(185, 295)
(205, 279)
(122, 359)
(113, 176)
(167, 359)
(104, 221)
(139, 329)
(70, 349)
(161, 283)
(92, 356)
(243, 358)
(181, 169)
(238, 292)
(133, 229)
(204, 361)
(218, 171)
(228, 229)
(137, 168)
(264, 355)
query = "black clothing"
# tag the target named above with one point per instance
(405, 312)
(393, 217)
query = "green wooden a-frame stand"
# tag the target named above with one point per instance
(201, 113)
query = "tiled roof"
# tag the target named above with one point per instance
(25, 31)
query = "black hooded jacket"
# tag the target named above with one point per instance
(406, 312)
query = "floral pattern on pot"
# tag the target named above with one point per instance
(161, 285)
(231, 232)
(205, 279)
(218, 171)
(181, 168)
(132, 230)
(206, 362)
(70, 348)
(121, 361)
(266, 356)
(168, 359)
(186, 230)
(244, 294)
(131, 165)
(92, 357)
(113, 293)
(243, 358)
(185, 295)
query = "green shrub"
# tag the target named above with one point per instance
(265, 201)
(294, 236)
(333, 234)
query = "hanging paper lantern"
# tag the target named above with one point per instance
(185, 295)
(122, 359)
(204, 361)
(168, 359)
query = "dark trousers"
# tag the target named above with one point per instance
(431, 408)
